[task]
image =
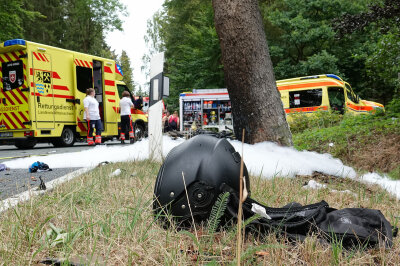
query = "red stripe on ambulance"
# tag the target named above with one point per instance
(109, 82)
(17, 119)
(7, 57)
(109, 93)
(10, 120)
(107, 70)
(8, 98)
(15, 56)
(15, 97)
(42, 57)
(37, 57)
(23, 116)
(307, 85)
(22, 95)
(61, 88)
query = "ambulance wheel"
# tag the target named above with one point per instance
(25, 144)
(139, 131)
(67, 138)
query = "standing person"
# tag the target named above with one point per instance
(165, 124)
(92, 116)
(139, 103)
(125, 105)
(173, 121)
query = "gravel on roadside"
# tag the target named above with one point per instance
(16, 181)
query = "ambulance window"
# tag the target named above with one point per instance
(336, 99)
(121, 89)
(350, 94)
(84, 78)
(306, 98)
(13, 75)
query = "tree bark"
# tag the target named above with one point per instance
(249, 75)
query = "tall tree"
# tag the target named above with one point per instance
(12, 16)
(125, 63)
(87, 23)
(79, 25)
(380, 24)
(249, 75)
(50, 27)
(301, 38)
(389, 11)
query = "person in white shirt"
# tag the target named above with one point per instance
(92, 116)
(126, 123)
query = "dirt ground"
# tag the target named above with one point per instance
(381, 154)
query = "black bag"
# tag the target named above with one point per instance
(352, 226)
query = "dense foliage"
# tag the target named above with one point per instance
(304, 37)
(79, 25)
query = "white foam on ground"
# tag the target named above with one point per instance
(265, 159)
(392, 186)
(268, 160)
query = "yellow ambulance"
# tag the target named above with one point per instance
(322, 92)
(42, 90)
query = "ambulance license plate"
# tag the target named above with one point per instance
(6, 134)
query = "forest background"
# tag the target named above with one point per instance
(357, 40)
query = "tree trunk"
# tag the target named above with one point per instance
(249, 76)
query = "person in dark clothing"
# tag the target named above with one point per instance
(139, 103)
(173, 121)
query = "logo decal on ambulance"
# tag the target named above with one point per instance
(12, 76)
(40, 88)
(44, 82)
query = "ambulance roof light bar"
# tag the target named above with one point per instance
(334, 76)
(14, 42)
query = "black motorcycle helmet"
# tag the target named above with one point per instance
(206, 163)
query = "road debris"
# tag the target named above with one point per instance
(42, 185)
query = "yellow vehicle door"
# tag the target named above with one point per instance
(43, 90)
(14, 89)
(111, 97)
(83, 74)
(353, 103)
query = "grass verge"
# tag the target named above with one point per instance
(367, 142)
(107, 220)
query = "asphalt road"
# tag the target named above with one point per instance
(16, 181)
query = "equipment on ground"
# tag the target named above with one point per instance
(197, 171)
(205, 162)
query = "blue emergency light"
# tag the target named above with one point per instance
(333, 76)
(14, 42)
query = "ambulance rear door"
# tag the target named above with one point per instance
(42, 86)
(14, 109)
(111, 98)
